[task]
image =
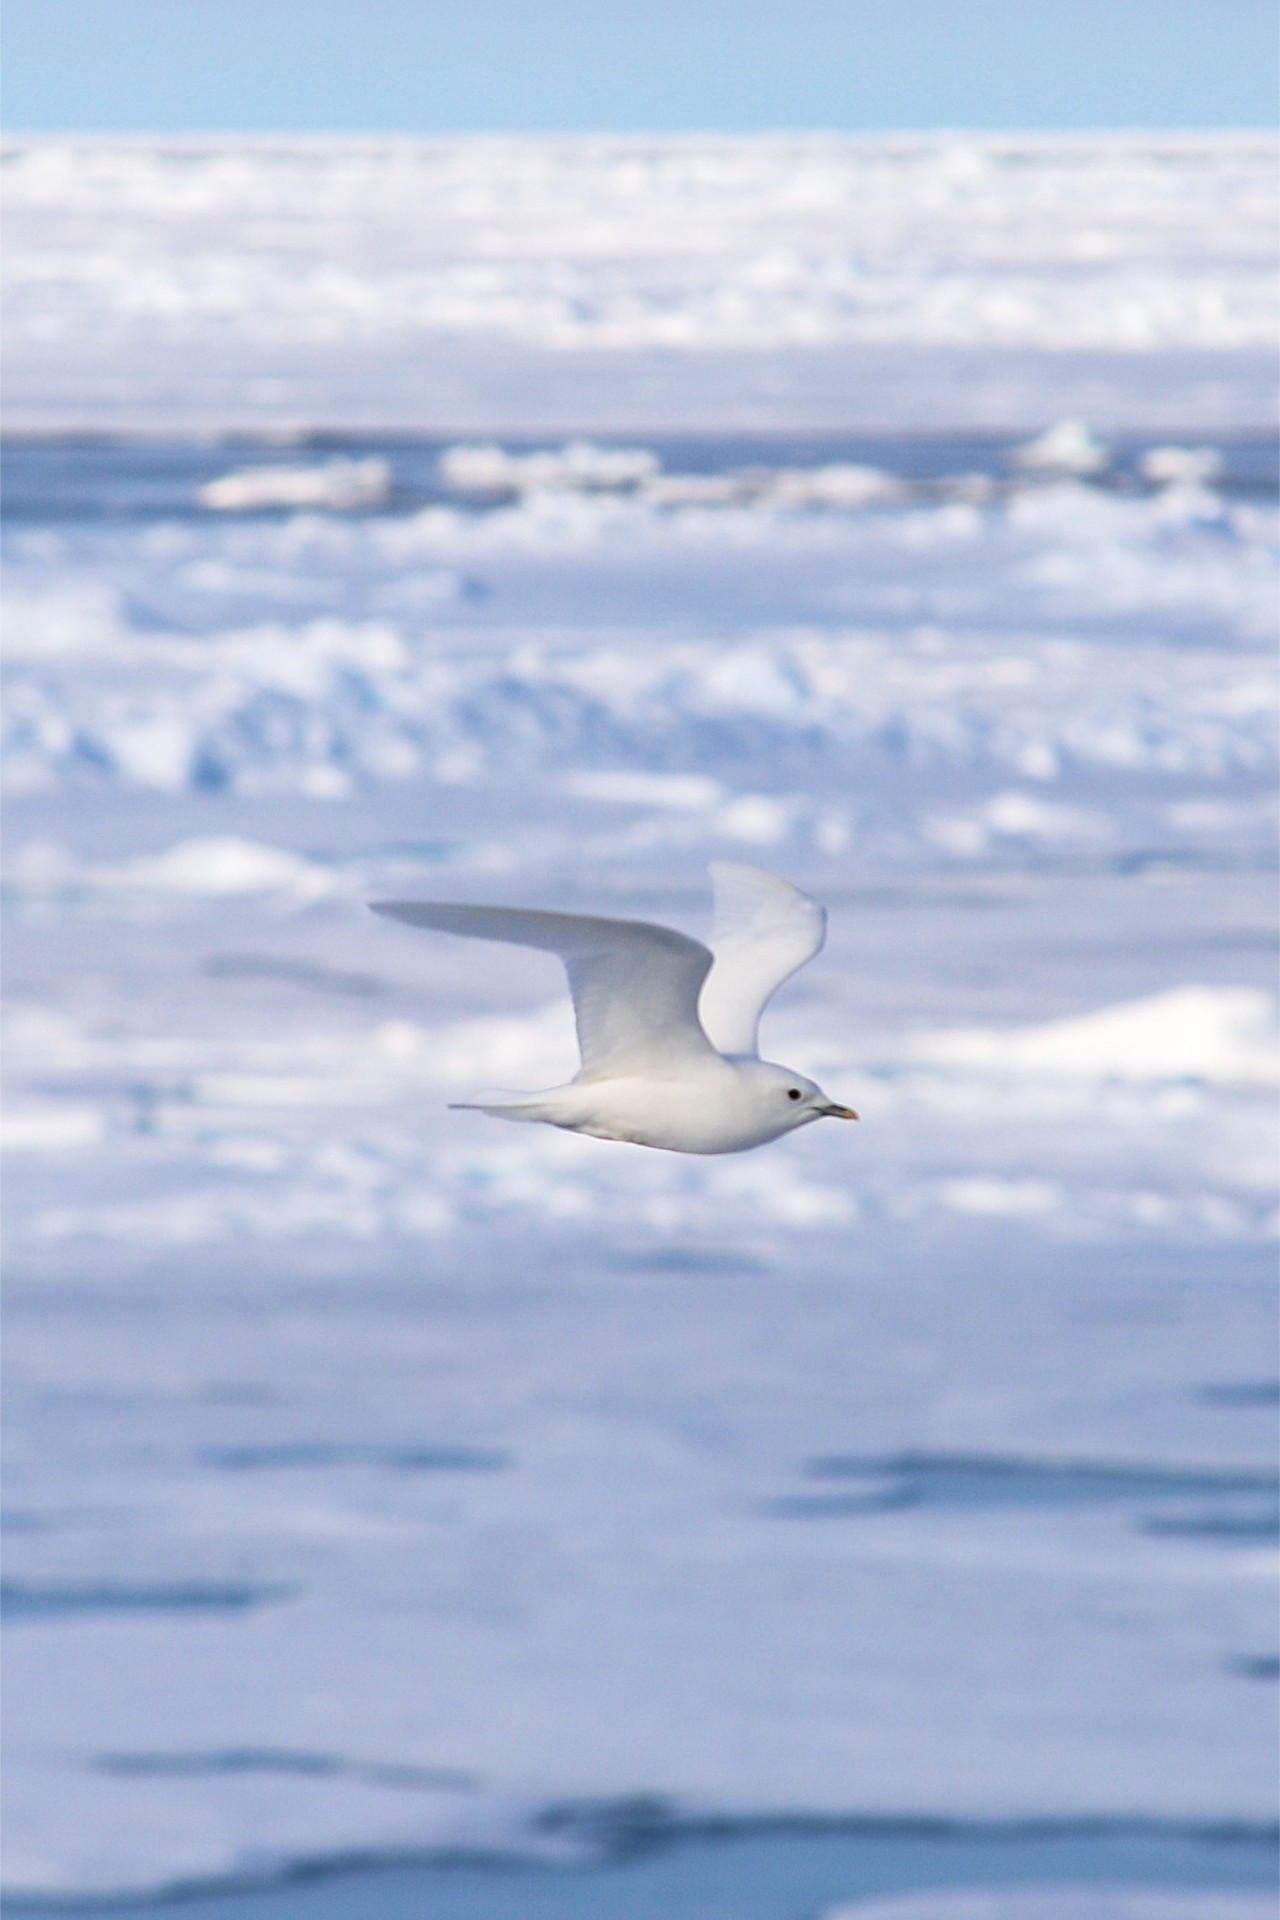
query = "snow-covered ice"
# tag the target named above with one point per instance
(340, 484)
(909, 282)
(379, 1478)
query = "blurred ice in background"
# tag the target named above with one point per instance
(532, 521)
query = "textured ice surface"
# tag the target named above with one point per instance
(381, 1476)
(381, 1473)
(918, 281)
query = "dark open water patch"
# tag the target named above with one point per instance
(1255, 1666)
(678, 1260)
(286, 1760)
(1197, 1503)
(659, 1869)
(51, 1599)
(1212, 1525)
(275, 1456)
(1241, 1393)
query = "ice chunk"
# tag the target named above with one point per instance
(843, 485)
(1180, 466)
(1202, 1033)
(1067, 449)
(343, 486)
(579, 467)
(221, 864)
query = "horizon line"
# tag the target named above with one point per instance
(1129, 130)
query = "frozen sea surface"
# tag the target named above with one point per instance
(908, 282)
(385, 1482)
(891, 1510)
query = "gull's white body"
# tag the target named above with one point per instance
(720, 1106)
(667, 1029)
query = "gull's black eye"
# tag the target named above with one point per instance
(794, 1093)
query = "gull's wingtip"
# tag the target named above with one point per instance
(735, 883)
(753, 901)
(730, 870)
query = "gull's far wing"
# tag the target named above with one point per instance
(765, 929)
(635, 986)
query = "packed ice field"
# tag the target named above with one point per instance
(386, 1482)
(908, 282)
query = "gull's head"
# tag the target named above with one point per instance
(793, 1100)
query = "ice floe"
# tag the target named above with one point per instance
(1181, 466)
(1068, 448)
(579, 467)
(1224, 1034)
(341, 485)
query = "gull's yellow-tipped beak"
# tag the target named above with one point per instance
(840, 1113)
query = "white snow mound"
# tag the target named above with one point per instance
(223, 864)
(340, 485)
(1190, 1033)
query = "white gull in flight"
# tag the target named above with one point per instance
(666, 1028)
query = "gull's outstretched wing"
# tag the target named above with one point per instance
(765, 929)
(635, 986)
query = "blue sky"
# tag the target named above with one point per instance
(440, 66)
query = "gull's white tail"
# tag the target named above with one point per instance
(512, 1106)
